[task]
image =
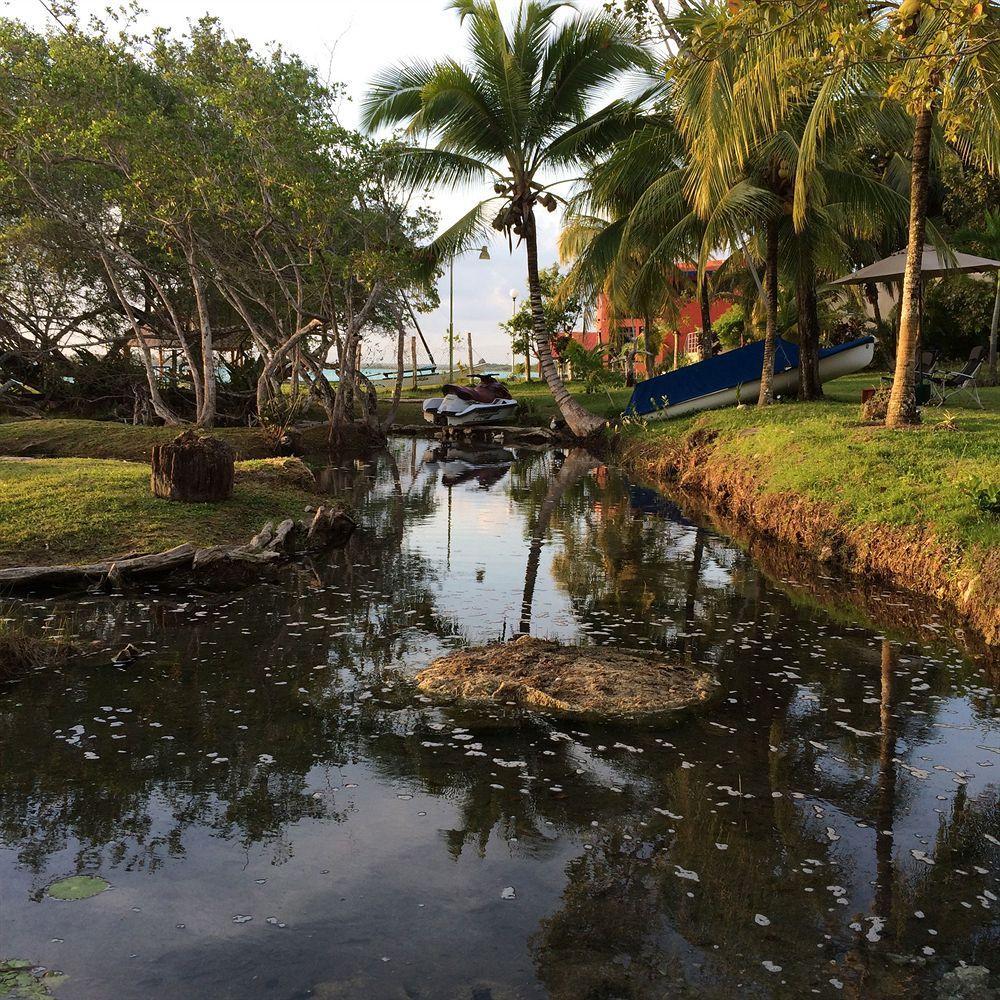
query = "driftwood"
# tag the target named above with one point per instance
(192, 468)
(147, 565)
(230, 565)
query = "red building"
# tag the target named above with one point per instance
(681, 339)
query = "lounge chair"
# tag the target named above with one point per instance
(949, 384)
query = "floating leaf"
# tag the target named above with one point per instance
(77, 887)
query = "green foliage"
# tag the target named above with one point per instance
(77, 887)
(560, 308)
(204, 190)
(985, 496)
(731, 327)
(958, 311)
(23, 980)
(589, 367)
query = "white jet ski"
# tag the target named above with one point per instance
(487, 403)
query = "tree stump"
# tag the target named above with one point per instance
(192, 468)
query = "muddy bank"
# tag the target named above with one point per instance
(908, 558)
(575, 681)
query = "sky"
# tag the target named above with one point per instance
(350, 41)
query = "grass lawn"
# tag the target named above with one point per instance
(71, 438)
(923, 476)
(80, 510)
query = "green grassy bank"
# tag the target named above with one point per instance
(536, 408)
(72, 510)
(70, 438)
(910, 506)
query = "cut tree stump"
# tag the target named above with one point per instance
(193, 468)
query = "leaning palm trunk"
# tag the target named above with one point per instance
(580, 421)
(902, 407)
(766, 396)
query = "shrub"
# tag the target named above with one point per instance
(958, 311)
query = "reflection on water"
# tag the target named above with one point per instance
(280, 815)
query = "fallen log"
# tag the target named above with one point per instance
(145, 565)
(231, 565)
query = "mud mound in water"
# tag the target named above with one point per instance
(571, 680)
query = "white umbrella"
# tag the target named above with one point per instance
(934, 262)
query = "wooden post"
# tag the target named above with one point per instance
(675, 351)
(472, 364)
(413, 359)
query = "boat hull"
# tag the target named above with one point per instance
(855, 359)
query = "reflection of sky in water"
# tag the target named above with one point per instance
(273, 764)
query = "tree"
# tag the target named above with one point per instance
(163, 175)
(629, 228)
(937, 62)
(560, 311)
(519, 110)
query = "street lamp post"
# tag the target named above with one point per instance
(484, 254)
(513, 313)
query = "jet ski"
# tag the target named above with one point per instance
(486, 403)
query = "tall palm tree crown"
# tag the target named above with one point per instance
(518, 114)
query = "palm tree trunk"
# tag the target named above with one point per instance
(886, 807)
(902, 407)
(994, 329)
(810, 386)
(708, 343)
(578, 418)
(766, 396)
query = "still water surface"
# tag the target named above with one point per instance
(279, 815)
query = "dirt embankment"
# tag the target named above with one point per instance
(911, 558)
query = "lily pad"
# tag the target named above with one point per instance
(77, 887)
(23, 980)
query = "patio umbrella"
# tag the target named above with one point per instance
(934, 263)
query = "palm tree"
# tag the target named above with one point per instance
(630, 225)
(823, 195)
(518, 114)
(910, 60)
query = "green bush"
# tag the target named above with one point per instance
(731, 327)
(957, 314)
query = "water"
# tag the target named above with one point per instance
(278, 814)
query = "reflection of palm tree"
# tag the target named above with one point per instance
(691, 594)
(886, 788)
(577, 464)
